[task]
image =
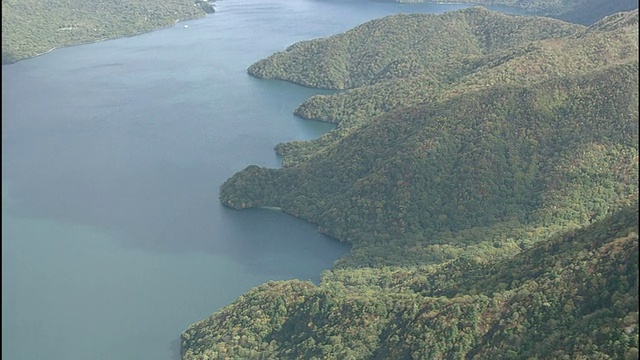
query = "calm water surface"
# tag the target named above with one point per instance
(113, 239)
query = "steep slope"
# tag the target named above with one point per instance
(539, 136)
(429, 182)
(404, 46)
(614, 40)
(611, 41)
(572, 296)
(493, 209)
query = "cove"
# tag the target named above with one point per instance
(113, 239)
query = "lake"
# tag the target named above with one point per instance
(113, 238)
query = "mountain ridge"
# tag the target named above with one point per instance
(584, 12)
(496, 216)
(309, 166)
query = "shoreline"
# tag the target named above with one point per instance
(87, 42)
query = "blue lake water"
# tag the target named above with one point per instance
(113, 239)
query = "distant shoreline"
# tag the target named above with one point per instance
(87, 42)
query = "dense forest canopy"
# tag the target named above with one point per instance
(518, 136)
(573, 296)
(486, 177)
(30, 27)
(584, 12)
(484, 166)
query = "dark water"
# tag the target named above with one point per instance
(113, 239)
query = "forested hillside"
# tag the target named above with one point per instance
(574, 296)
(487, 179)
(30, 27)
(443, 47)
(584, 12)
(527, 138)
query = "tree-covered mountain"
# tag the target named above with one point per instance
(584, 12)
(574, 296)
(534, 135)
(443, 47)
(487, 179)
(30, 27)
